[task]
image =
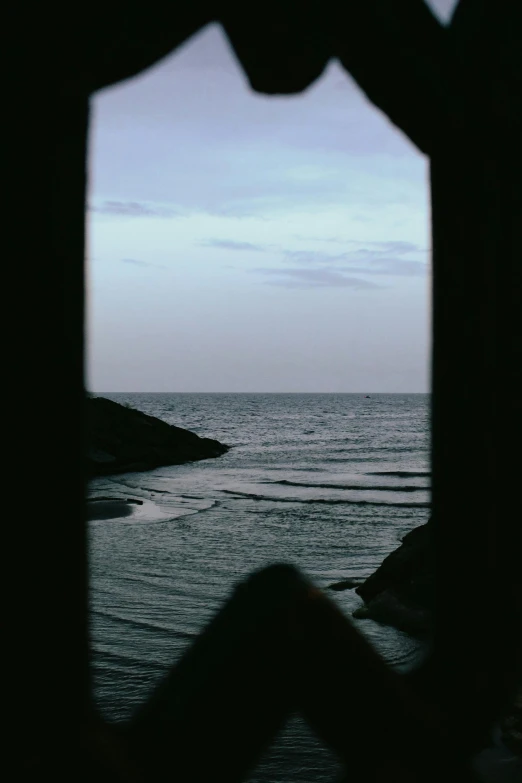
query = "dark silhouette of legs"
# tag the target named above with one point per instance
(277, 647)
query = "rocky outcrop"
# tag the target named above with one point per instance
(122, 439)
(401, 593)
(346, 584)
(402, 590)
(387, 608)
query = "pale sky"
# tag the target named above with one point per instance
(245, 243)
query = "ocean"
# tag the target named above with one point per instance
(326, 482)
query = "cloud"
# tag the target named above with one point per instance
(137, 262)
(379, 247)
(381, 258)
(314, 278)
(390, 267)
(398, 247)
(132, 209)
(366, 261)
(230, 244)
(351, 269)
(313, 257)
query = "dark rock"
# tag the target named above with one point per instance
(387, 608)
(122, 439)
(346, 584)
(402, 590)
(409, 571)
(105, 498)
(417, 535)
(108, 509)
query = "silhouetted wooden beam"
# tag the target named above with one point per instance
(46, 548)
(397, 53)
(122, 39)
(394, 50)
(489, 39)
(282, 49)
(476, 189)
(57, 58)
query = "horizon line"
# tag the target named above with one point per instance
(257, 392)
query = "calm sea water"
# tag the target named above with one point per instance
(327, 482)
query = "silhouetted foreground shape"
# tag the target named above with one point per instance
(277, 647)
(123, 439)
(401, 592)
(456, 92)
